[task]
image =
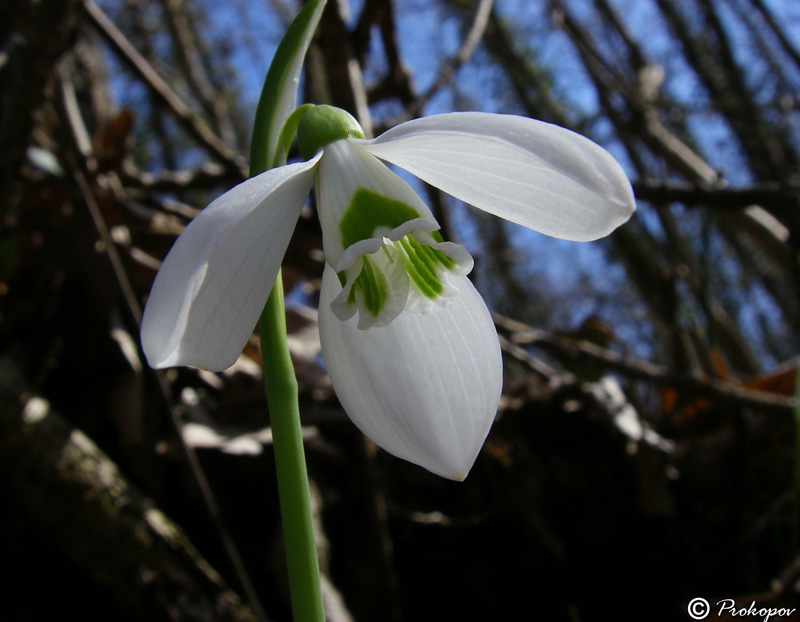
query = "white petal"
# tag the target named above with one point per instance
(213, 284)
(426, 387)
(449, 278)
(532, 173)
(390, 275)
(345, 169)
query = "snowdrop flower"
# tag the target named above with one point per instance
(408, 342)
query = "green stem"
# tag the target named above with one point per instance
(273, 128)
(280, 385)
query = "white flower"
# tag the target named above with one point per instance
(410, 347)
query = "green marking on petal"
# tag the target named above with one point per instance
(369, 210)
(422, 265)
(420, 269)
(372, 286)
(422, 279)
(409, 265)
(439, 257)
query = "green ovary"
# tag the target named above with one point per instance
(322, 125)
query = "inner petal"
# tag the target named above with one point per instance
(375, 286)
(413, 273)
(423, 264)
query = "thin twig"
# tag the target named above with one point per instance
(724, 392)
(188, 54)
(205, 177)
(723, 197)
(787, 46)
(540, 368)
(450, 66)
(142, 68)
(81, 147)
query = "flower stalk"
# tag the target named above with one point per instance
(274, 126)
(280, 385)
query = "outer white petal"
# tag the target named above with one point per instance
(532, 173)
(214, 282)
(425, 387)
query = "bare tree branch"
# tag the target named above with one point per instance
(722, 197)
(143, 69)
(188, 52)
(452, 65)
(721, 391)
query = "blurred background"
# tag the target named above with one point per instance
(646, 450)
